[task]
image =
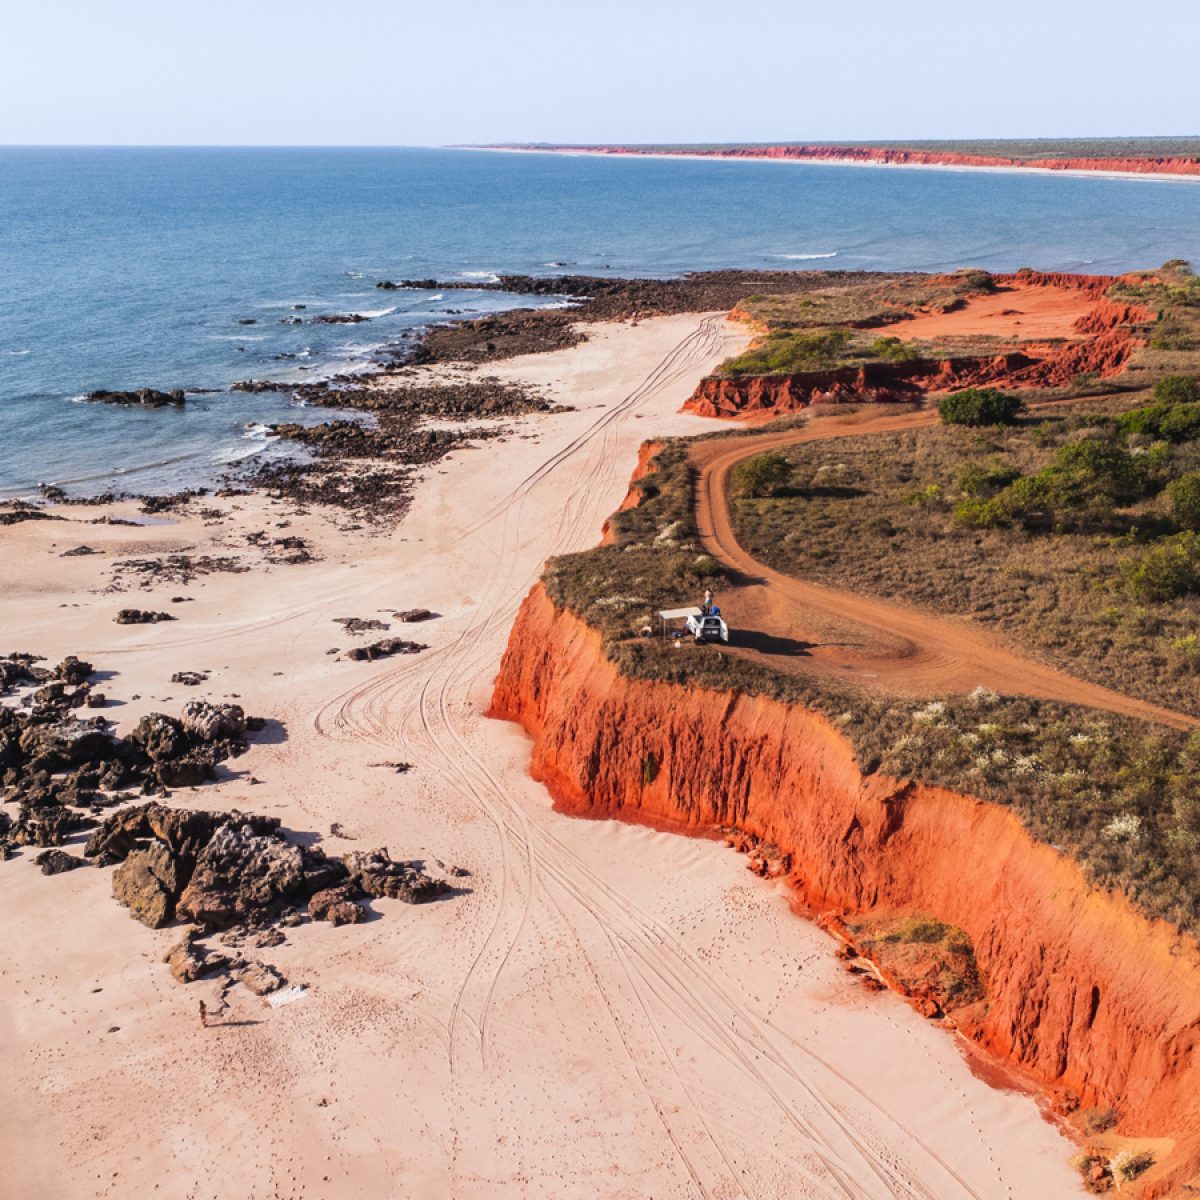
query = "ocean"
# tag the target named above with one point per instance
(124, 268)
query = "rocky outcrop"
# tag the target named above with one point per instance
(141, 397)
(375, 873)
(1081, 991)
(241, 876)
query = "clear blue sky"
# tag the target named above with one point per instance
(401, 73)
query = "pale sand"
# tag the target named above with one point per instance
(610, 1012)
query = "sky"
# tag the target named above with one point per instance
(374, 72)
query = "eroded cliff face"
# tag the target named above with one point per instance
(1082, 992)
(633, 497)
(1110, 334)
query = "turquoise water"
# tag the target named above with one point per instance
(132, 267)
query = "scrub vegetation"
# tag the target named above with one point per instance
(1121, 796)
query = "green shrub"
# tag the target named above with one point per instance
(980, 514)
(1177, 389)
(785, 352)
(1177, 422)
(1184, 494)
(892, 349)
(931, 493)
(1167, 570)
(1182, 423)
(761, 475)
(975, 480)
(1103, 468)
(979, 406)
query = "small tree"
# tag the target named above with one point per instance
(1184, 494)
(762, 475)
(979, 406)
(1177, 389)
(1167, 570)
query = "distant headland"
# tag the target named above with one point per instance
(1158, 156)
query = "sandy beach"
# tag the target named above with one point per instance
(602, 1010)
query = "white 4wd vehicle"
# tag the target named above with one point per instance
(708, 627)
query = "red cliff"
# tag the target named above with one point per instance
(1110, 332)
(896, 156)
(1083, 993)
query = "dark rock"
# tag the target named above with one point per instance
(73, 671)
(359, 624)
(46, 825)
(210, 722)
(337, 905)
(189, 678)
(55, 862)
(189, 962)
(262, 385)
(140, 616)
(377, 874)
(96, 700)
(145, 397)
(78, 552)
(190, 771)
(340, 319)
(148, 883)
(162, 737)
(240, 876)
(65, 744)
(261, 978)
(19, 513)
(384, 649)
(413, 614)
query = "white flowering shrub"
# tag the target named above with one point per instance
(1123, 827)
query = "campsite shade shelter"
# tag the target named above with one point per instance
(678, 614)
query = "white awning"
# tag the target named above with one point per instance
(680, 614)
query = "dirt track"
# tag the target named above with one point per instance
(807, 628)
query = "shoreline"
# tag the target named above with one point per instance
(531, 1012)
(847, 161)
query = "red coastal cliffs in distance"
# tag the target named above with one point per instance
(888, 155)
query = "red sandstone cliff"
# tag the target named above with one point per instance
(1083, 992)
(633, 497)
(1110, 332)
(927, 158)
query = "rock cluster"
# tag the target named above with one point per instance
(141, 616)
(224, 871)
(62, 770)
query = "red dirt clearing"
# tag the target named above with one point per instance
(1017, 312)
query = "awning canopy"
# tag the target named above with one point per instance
(680, 614)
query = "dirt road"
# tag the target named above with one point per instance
(807, 628)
